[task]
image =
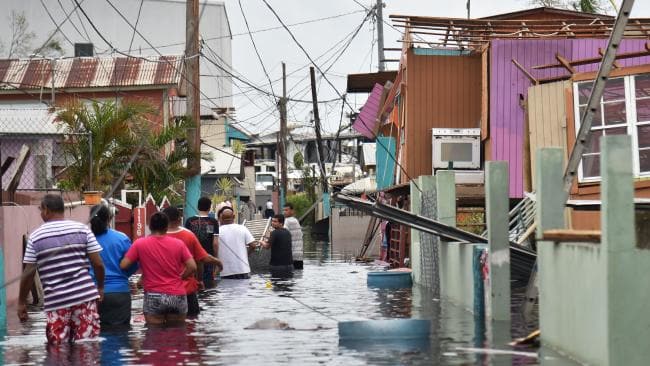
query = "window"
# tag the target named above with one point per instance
(624, 109)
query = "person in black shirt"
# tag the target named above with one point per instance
(206, 230)
(280, 244)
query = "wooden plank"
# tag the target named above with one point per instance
(568, 235)
(21, 161)
(565, 63)
(485, 101)
(525, 72)
(601, 52)
(6, 165)
(592, 60)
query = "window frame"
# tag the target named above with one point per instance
(631, 125)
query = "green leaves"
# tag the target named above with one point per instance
(115, 131)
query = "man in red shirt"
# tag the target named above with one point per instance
(166, 263)
(201, 257)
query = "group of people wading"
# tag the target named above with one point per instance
(85, 271)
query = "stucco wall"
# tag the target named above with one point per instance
(572, 296)
(457, 273)
(16, 221)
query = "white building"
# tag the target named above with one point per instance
(160, 22)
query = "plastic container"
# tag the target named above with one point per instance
(384, 329)
(390, 279)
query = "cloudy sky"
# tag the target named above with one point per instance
(324, 40)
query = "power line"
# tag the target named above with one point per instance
(62, 9)
(255, 47)
(81, 23)
(257, 87)
(337, 92)
(260, 30)
(137, 20)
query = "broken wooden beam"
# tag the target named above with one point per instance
(523, 70)
(568, 235)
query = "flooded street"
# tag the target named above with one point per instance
(308, 307)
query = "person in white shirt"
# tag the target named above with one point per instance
(292, 224)
(268, 213)
(235, 243)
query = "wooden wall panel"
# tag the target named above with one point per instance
(443, 92)
(547, 118)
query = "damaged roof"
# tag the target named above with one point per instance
(90, 72)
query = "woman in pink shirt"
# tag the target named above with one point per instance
(166, 263)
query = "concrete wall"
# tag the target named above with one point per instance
(573, 299)
(594, 297)
(16, 221)
(457, 273)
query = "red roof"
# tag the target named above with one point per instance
(91, 72)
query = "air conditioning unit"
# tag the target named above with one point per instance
(458, 148)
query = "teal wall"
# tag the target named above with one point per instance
(439, 52)
(234, 134)
(594, 297)
(385, 156)
(457, 282)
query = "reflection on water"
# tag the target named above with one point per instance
(308, 303)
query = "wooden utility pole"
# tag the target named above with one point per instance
(319, 140)
(193, 182)
(282, 146)
(380, 35)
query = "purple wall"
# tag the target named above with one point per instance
(507, 83)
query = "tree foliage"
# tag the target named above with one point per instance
(117, 132)
(586, 6)
(161, 164)
(21, 39)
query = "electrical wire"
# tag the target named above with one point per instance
(63, 10)
(259, 30)
(339, 94)
(259, 57)
(137, 20)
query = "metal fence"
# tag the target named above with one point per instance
(430, 257)
(32, 149)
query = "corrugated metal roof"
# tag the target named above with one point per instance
(27, 119)
(366, 123)
(90, 72)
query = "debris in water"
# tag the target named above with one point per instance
(270, 323)
(490, 351)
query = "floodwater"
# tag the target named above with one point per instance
(311, 303)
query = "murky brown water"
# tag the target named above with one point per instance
(328, 290)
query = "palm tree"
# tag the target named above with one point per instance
(118, 132)
(585, 6)
(97, 135)
(161, 163)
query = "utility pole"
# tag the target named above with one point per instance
(193, 182)
(468, 3)
(380, 34)
(319, 140)
(282, 146)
